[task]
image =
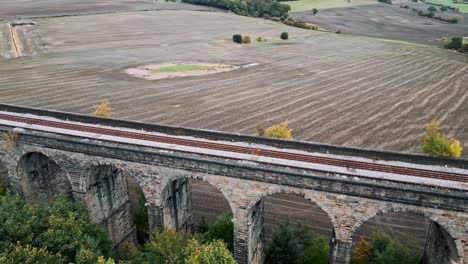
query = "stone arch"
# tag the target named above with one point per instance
(41, 178)
(175, 201)
(106, 197)
(255, 220)
(437, 231)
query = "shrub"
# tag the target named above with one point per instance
(29, 254)
(314, 11)
(386, 1)
(284, 36)
(385, 250)
(237, 38)
(432, 9)
(11, 140)
(437, 143)
(443, 9)
(296, 245)
(260, 39)
(210, 253)
(103, 109)
(281, 131)
(430, 14)
(455, 43)
(222, 229)
(60, 227)
(246, 39)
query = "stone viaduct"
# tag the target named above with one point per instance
(99, 173)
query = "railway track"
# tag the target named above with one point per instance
(349, 164)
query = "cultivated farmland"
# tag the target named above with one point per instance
(331, 88)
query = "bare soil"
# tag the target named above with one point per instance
(148, 72)
(332, 88)
(388, 22)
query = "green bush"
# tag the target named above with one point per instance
(237, 38)
(382, 249)
(246, 39)
(284, 36)
(314, 11)
(260, 39)
(296, 245)
(29, 254)
(222, 229)
(59, 227)
(455, 43)
(432, 9)
(443, 9)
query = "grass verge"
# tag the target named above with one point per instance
(182, 68)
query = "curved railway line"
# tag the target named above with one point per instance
(350, 164)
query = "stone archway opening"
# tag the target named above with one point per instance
(138, 209)
(41, 179)
(271, 214)
(421, 239)
(194, 205)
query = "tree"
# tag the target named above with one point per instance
(214, 252)
(281, 131)
(59, 227)
(166, 247)
(222, 229)
(387, 250)
(29, 255)
(437, 143)
(431, 9)
(103, 109)
(296, 245)
(362, 254)
(443, 8)
(314, 11)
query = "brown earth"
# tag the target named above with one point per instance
(389, 22)
(331, 88)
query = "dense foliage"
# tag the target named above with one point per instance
(222, 229)
(59, 232)
(383, 249)
(284, 36)
(281, 131)
(103, 109)
(237, 38)
(255, 8)
(437, 143)
(296, 245)
(172, 247)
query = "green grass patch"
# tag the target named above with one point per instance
(463, 7)
(182, 68)
(307, 5)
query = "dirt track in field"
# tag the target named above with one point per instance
(331, 88)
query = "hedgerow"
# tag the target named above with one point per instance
(255, 8)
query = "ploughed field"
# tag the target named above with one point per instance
(332, 88)
(389, 22)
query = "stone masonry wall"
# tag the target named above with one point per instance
(348, 204)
